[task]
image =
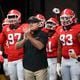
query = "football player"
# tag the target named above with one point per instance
(69, 43)
(11, 34)
(51, 48)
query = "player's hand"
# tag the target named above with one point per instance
(72, 53)
(73, 56)
(59, 69)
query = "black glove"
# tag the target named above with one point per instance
(78, 58)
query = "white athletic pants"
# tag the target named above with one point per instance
(16, 70)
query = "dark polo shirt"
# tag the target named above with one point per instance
(35, 59)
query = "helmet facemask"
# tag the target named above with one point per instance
(13, 19)
(50, 25)
(67, 17)
(67, 20)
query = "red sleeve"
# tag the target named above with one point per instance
(2, 38)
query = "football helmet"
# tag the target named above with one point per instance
(14, 16)
(67, 17)
(51, 23)
(5, 22)
(42, 18)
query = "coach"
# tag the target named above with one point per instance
(34, 43)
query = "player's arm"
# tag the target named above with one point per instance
(59, 52)
(2, 40)
(1, 52)
(59, 56)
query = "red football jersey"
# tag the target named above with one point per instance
(69, 40)
(11, 37)
(52, 45)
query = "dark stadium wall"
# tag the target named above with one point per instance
(7, 5)
(45, 7)
(62, 4)
(32, 7)
(78, 11)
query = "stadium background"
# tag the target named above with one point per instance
(32, 7)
